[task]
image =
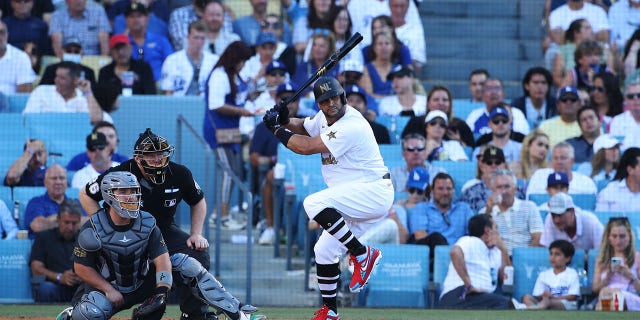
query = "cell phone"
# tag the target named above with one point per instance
(615, 261)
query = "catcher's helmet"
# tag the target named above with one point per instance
(127, 205)
(327, 87)
(148, 144)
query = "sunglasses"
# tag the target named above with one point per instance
(596, 88)
(324, 32)
(496, 162)
(438, 123)
(499, 120)
(416, 190)
(623, 220)
(280, 73)
(631, 96)
(96, 148)
(412, 149)
(569, 99)
(274, 25)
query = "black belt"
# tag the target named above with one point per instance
(386, 176)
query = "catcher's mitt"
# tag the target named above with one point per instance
(154, 306)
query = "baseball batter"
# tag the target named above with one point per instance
(360, 190)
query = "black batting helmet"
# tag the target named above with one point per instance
(327, 87)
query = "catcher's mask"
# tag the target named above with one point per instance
(121, 191)
(153, 153)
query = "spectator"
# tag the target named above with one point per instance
(150, 47)
(562, 56)
(364, 12)
(274, 74)
(561, 17)
(414, 155)
(606, 158)
(357, 98)
(225, 96)
(73, 53)
(623, 193)
(556, 182)
(143, 80)
(17, 74)
(8, 226)
(533, 156)
(69, 94)
(254, 70)
(501, 135)
(567, 221)
(182, 17)
(623, 18)
(477, 79)
(558, 287)
(352, 72)
(41, 9)
(437, 148)
(537, 104)
(441, 220)
(218, 38)
(590, 126)
(81, 160)
(248, 27)
(563, 126)
(319, 19)
(519, 221)
(323, 47)
(184, 72)
(400, 53)
(562, 160)
(627, 124)
(476, 192)
(51, 252)
(411, 34)
(100, 152)
(264, 149)
(631, 56)
(25, 28)
(285, 52)
(417, 189)
(29, 169)
(87, 22)
(477, 262)
(40, 213)
(618, 241)
(588, 62)
(492, 95)
(343, 30)
(606, 96)
(158, 16)
(405, 101)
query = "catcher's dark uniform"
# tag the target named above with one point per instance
(161, 200)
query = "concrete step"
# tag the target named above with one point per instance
(470, 8)
(483, 49)
(505, 70)
(460, 88)
(455, 27)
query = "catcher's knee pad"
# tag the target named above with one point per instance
(93, 306)
(204, 285)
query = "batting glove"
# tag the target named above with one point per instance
(272, 120)
(283, 113)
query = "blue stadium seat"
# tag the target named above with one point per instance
(395, 125)
(460, 171)
(392, 155)
(463, 107)
(15, 273)
(57, 126)
(539, 198)
(584, 201)
(441, 260)
(401, 279)
(12, 134)
(17, 102)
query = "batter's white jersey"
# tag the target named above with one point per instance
(354, 154)
(177, 72)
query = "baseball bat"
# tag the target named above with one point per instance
(327, 65)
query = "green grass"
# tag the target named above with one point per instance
(50, 311)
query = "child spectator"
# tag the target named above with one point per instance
(558, 287)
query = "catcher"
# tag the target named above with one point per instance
(112, 256)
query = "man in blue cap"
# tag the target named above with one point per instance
(501, 135)
(565, 125)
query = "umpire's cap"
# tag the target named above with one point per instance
(327, 87)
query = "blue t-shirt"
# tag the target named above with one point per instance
(264, 142)
(379, 85)
(154, 51)
(155, 26)
(31, 179)
(81, 160)
(426, 216)
(41, 206)
(404, 58)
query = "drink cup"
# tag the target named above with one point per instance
(22, 234)
(605, 302)
(508, 275)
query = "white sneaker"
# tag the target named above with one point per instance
(518, 305)
(65, 314)
(268, 236)
(231, 224)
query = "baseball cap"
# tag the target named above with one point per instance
(400, 71)
(72, 41)
(557, 177)
(354, 88)
(286, 87)
(605, 141)
(436, 114)
(493, 152)
(560, 203)
(266, 37)
(96, 140)
(353, 65)
(135, 7)
(568, 91)
(498, 111)
(118, 39)
(275, 65)
(418, 178)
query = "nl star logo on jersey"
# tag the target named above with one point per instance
(332, 135)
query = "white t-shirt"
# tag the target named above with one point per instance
(86, 174)
(588, 231)
(623, 20)
(413, 37)
(390, 106)
(16, 70)
(562, 17)
(479, 260)
(625, 125)
(616, 197)
(561, 284)
(579, 184)
(519, 123)
(517, 224)
(45, 98)
(177, 72)
(354, 154)
(453, 151)
(362, 13)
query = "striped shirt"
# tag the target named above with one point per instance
(518, 223)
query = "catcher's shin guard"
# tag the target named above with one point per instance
(93, 306)
(204, 285)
